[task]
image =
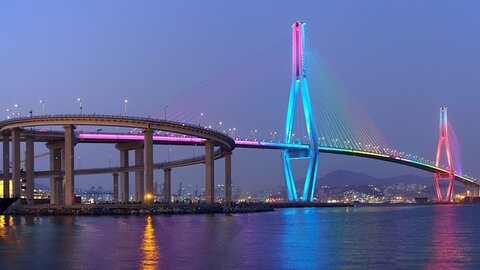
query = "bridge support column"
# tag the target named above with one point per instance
(139, 186)
(148, 165)
(209, 173)
(56, 182)
(228, 177)
(69, 163)
(115, 187)
(16, 162)
(167, 185)
(124, 177)
(6, 165)
(30, 170)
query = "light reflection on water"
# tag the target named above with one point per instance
(414, 237)
(149, 248)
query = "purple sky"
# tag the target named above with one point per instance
(398, 60)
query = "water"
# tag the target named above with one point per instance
(402, 237)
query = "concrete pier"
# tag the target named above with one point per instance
(148, 165)
(209, 173)
(16, 162)
(56, 181)
(139, 185)
(6, 164)
(30, 169)
(167, 185)
(69, 163)
(124, 177)
(115, 187)
(228, 177)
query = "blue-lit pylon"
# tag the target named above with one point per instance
(299, 84)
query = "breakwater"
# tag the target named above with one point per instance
(138, 209)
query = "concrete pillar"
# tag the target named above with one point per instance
(55, 165)
(30, 169)
(6, 165)
(16, 162)
(209, 173)
(124, 180)
(228, 177)
(139, 186)
(148, 165)
(69, 163)
(167, 185)
(115, 187)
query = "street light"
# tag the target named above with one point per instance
(43, 105)
(80, 104)
(200, 115)
(10, 111)
(253, 132)
(125, 102)
(273, 135)
(148, 197)
(16, 106)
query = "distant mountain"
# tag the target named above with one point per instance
(410, 179)
(340, 178)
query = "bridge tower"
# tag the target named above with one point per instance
(450, 174)
(299, 84)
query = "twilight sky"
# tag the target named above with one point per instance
(397, 60)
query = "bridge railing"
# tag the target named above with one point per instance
(118, 117)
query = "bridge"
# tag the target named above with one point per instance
(217, 145)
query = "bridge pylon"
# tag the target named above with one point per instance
(299, 84)
(450, 174)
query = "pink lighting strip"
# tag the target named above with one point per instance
(93, 136)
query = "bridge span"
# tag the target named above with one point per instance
(62, 154)
(190, 135)
(115, 138)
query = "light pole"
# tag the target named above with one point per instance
(200, 115)
(10, 111)
(16, 106)
(273, 135)
(79, 100)
(253, 133)
(125, 102)
(43, 105)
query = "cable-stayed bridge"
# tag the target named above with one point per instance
(308, 133)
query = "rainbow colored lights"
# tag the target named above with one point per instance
(299, 83)
(450, 175)
(275, 145)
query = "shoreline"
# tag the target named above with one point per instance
(136, 209)
(184, 209)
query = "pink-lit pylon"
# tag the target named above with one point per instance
(450, 174)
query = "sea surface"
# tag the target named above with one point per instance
(367, 237)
